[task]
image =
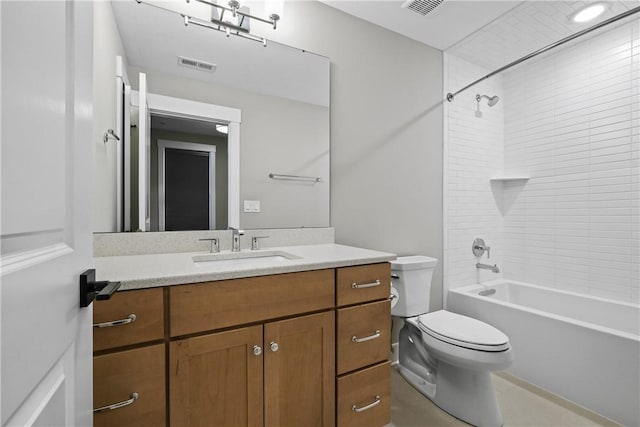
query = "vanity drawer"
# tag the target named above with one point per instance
(364, 335)
(360, 283)
(364, 397)
(147, 307)
(214, 305)
(117, 375)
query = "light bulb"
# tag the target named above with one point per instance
(588, 13)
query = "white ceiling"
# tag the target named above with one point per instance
(448, 23)
(528, 27)
(486, 33)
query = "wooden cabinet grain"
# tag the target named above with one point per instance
(259, 351)
(129, 317)
(363, 340)
(299, 371)
(216, 379)
(118, 375)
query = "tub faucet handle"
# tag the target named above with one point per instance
(479, 247)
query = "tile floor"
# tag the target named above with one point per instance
(522, 404)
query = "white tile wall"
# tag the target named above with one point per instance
(572, 124)
(570, 120)
(475, 153)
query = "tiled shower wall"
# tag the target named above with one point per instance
(473, 153)
(572, 124)
(570, 121)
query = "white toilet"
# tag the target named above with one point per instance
(446, 356)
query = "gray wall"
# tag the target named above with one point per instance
(106, 46)
(386, 131)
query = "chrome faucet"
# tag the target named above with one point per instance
(235, 239)
(493, 267)
(215, 247)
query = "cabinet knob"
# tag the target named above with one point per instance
(274, 346)
(257, 350)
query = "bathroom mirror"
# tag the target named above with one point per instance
(281, 92)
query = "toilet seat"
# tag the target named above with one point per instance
(463, 331)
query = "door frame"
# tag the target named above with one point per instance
(188, 109)
(163, 144)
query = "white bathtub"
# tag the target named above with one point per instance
(585, 349)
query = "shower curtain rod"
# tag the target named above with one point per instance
(611, 20)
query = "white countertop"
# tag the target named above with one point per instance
(148, 271)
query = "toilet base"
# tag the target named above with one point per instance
(464, 393)
(467, 395)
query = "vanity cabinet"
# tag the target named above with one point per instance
(129, 360)
(273, 351)
(134, 379)
(295, 356)
(299, 371)
(363, 339)
(217, 379)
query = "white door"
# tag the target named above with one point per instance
(47, 158)
(144, 157)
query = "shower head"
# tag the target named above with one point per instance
(492, 100)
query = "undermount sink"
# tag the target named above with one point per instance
(241, 258)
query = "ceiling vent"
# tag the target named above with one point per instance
(198, 65)
(423, 7)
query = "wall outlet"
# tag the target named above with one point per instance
(252, 205)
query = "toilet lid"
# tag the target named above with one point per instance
(463, 331)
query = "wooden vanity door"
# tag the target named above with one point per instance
(216, 379)
(299, 371)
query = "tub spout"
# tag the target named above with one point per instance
(493, 267)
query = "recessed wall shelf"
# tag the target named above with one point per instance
(508, 178)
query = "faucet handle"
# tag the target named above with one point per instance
(215, 247)
(255, 242)
(479, 247)
(236, 231)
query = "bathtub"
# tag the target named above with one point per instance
(585, 349)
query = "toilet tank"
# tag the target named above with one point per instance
(411, 278)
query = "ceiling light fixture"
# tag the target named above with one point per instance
(235, 19)
(222, 128)
(588, 13)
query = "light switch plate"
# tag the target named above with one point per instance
(252, 205)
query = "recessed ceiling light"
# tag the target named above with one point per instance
(222, 129)
(588, 13)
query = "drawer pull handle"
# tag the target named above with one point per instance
(130, 318)
(375, 335)
(376, 402)
(133, 398)
(354, 285)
